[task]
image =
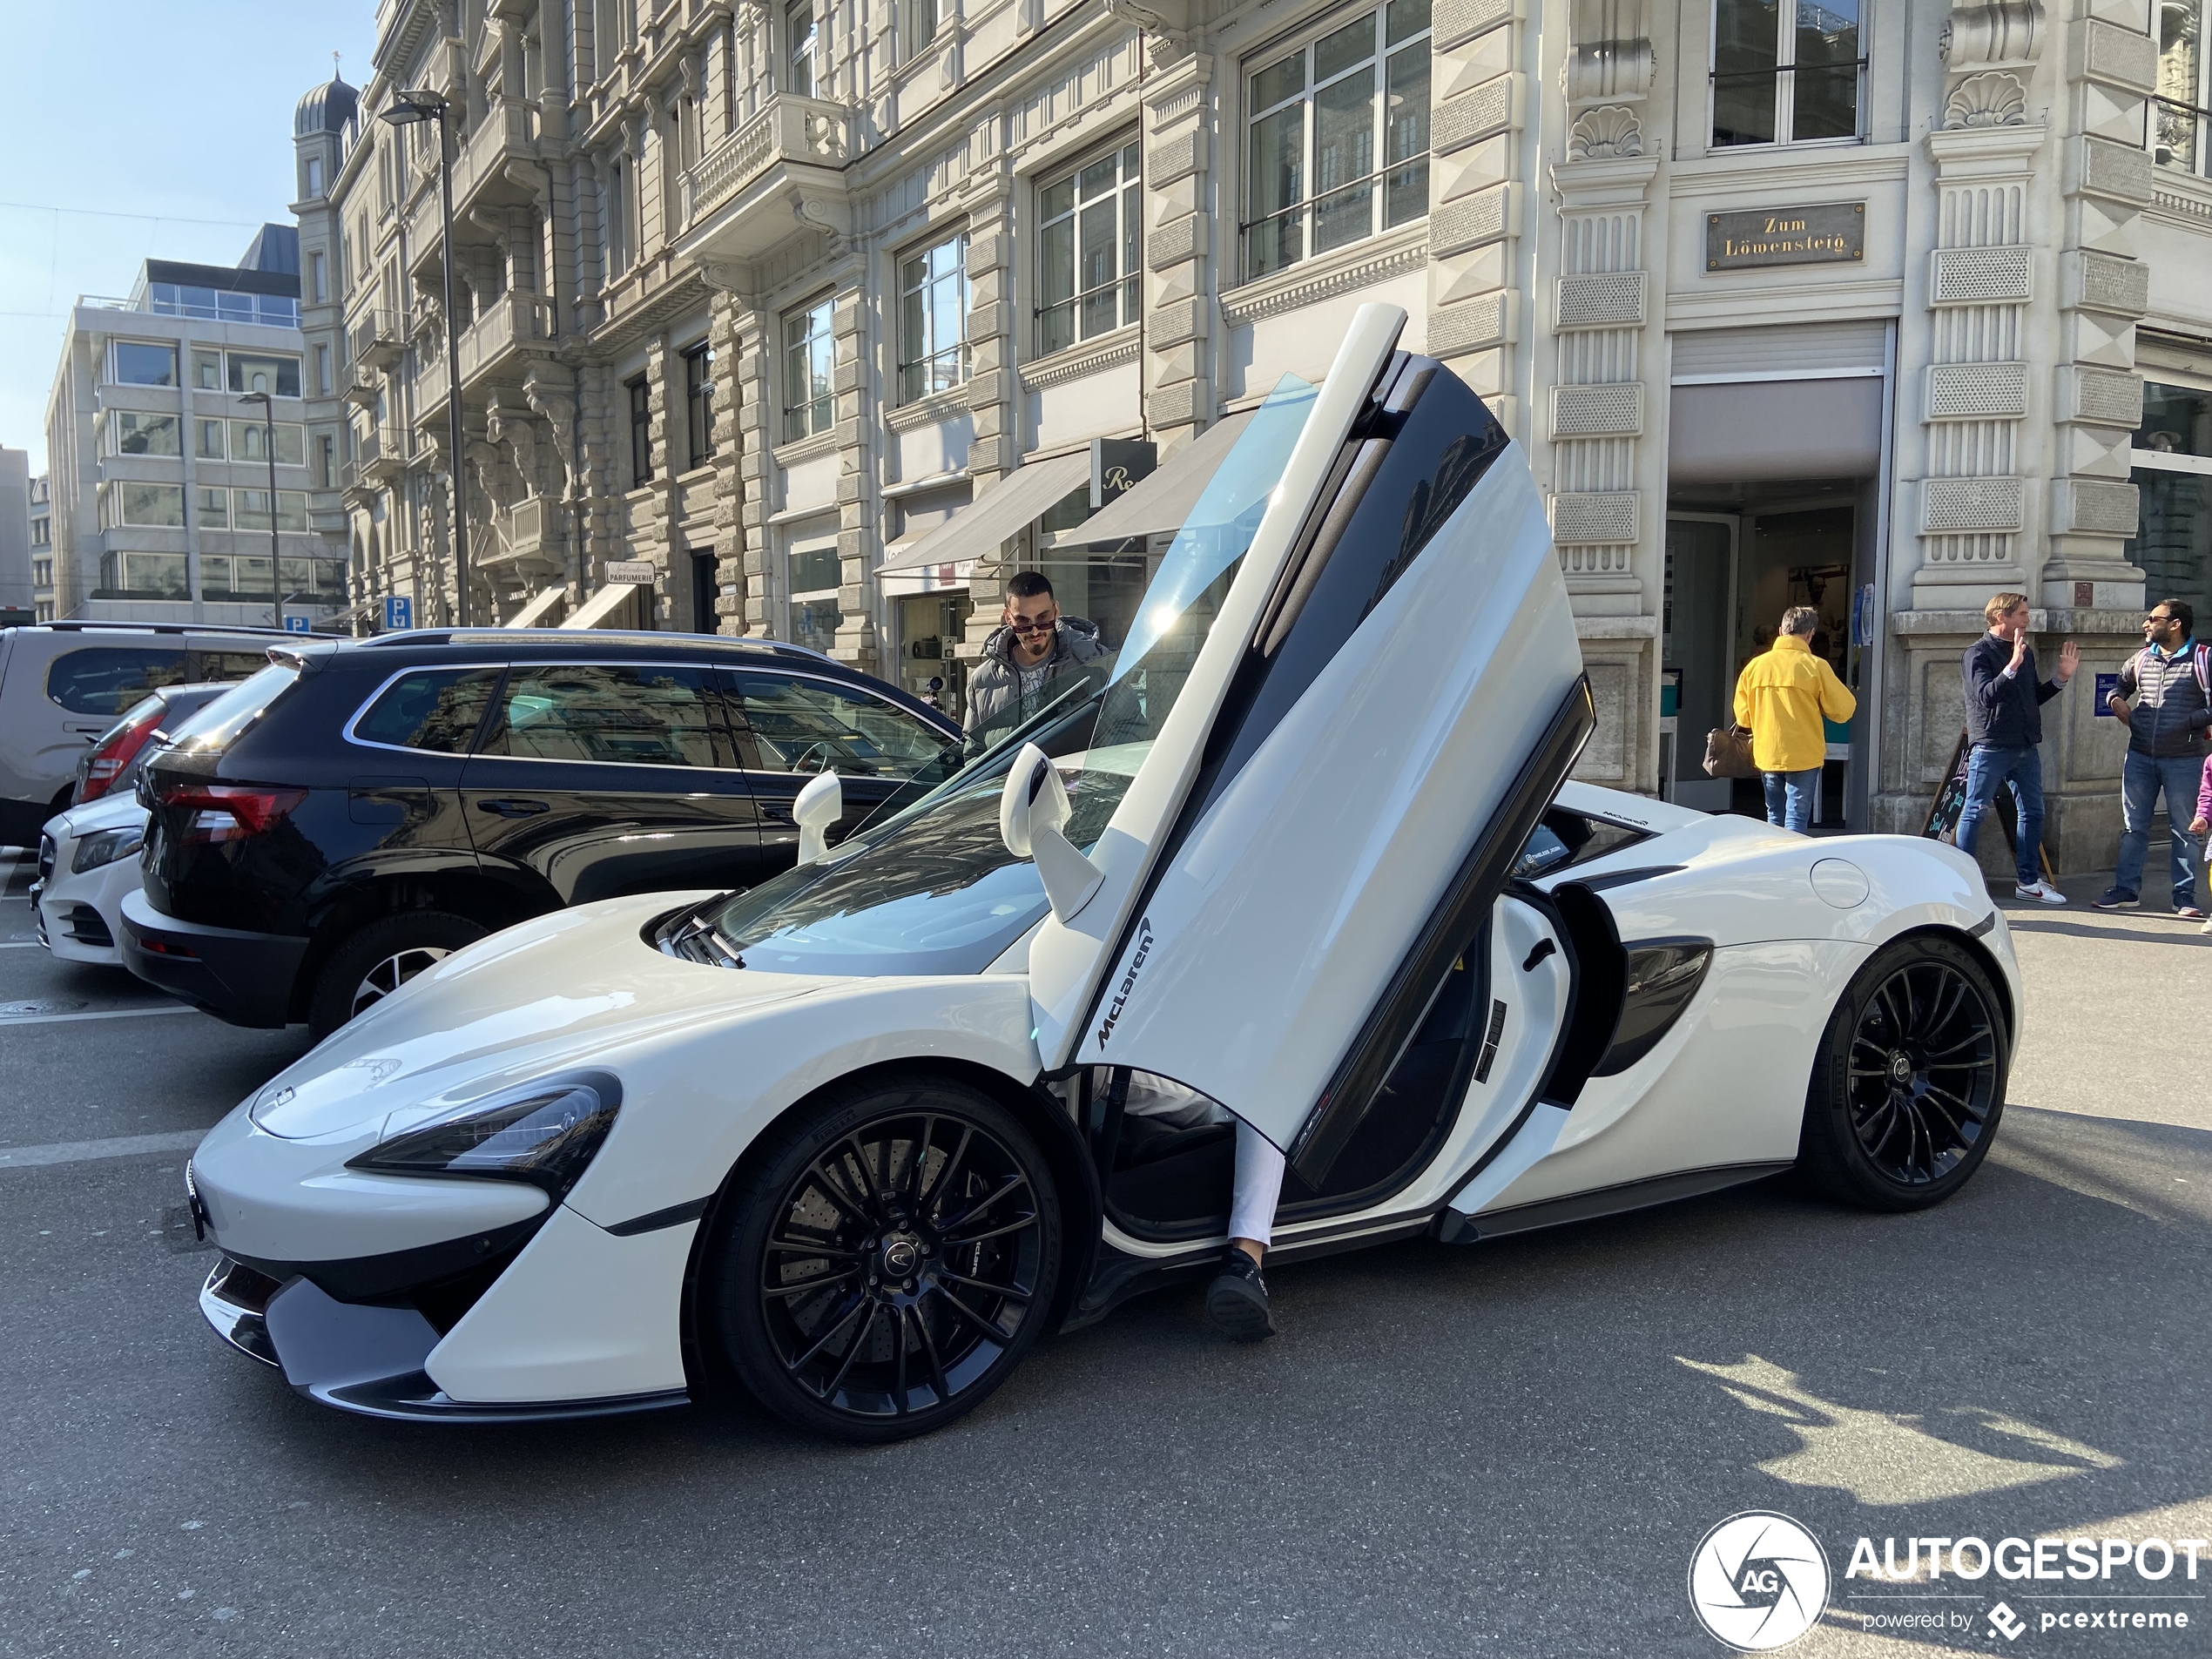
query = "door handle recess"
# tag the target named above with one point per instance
(514, 809)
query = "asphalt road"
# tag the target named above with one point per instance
(1505, 1449)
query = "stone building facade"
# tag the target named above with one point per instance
(1835, 302)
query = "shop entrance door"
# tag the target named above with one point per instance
(1730, 577)
(1697, 654)
(1802, 553)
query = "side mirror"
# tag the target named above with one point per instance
(1033, 810)
(819, 805)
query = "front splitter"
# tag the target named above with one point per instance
(369, 1359)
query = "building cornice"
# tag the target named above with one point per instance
(2182, 199)
(928, 411)
(1073, 362)
(1841, 166)
(1310, 282)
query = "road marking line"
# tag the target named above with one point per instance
(121, 1146)
(95, 1014)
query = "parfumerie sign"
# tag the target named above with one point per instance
(636, 570)
(1832, 233)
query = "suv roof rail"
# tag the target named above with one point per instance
(642, 637)
(105, 627)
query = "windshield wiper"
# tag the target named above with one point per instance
(688, 935)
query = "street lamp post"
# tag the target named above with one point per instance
(407, 108)
(276, 566)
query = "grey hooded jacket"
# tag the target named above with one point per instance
(995, 685)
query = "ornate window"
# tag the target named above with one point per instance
(1336, 138)
(809, 357)
(2181, 110)
(1804, 83)
(641, 432)
(802, 45)
(698, 401)
(2171, 459)
(932, 318)
(1091, 219)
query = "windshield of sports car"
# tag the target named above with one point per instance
(930, 888)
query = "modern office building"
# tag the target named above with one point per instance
(42, 548)
(166, 413)
(18, 580)
(825, 318)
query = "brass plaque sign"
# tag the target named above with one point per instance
(1831, 233)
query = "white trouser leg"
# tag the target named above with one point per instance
(1259, 1183)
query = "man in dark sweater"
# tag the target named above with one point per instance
(2005, 726)
(2161, 700)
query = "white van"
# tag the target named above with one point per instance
(63, 684)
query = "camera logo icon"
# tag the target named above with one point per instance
(1758, 1581)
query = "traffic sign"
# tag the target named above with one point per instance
(399, 612)
(299, 625)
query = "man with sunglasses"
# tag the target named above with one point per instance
(1032, 646)
(2164, 699)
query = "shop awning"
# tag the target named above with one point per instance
(1157, 505)
(540, 606)
(1018, 502)
(594, 611)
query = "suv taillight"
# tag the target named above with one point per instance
(117, 750)
(230, 811)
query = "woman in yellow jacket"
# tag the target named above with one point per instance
(1783, 696)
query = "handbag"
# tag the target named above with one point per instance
(1728, 752)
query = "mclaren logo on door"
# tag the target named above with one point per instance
(1129, 980)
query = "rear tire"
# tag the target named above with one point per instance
(1908, 1085)
(377, 959)
(926, 1214)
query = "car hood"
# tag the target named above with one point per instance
(109, 812)
(552, 992)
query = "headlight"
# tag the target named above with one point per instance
(545, 1133)
(106, 846)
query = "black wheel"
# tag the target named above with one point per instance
(379, 959)
(887, 1263)
(1909, 1083)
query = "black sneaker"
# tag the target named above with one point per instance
(2118, 898)
(1237, 1300)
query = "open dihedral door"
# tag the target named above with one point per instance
(1387, 701)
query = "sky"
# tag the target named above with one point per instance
(162, 129)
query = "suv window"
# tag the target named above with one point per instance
(813, 725)
(107, 679)
(217, 726)
(228, 664)
(433, 709)
(606, 712)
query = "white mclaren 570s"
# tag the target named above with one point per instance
(853, 1140)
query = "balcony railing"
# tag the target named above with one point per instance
(807, 131)
(516, 317)
(503, 135)
(518, 534)
(379, 337)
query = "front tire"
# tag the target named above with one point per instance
(1908, 1081)
(887, 1261)
(377, 959)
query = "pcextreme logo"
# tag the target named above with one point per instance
(1758, 1581)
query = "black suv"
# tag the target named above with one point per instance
(364, 808)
